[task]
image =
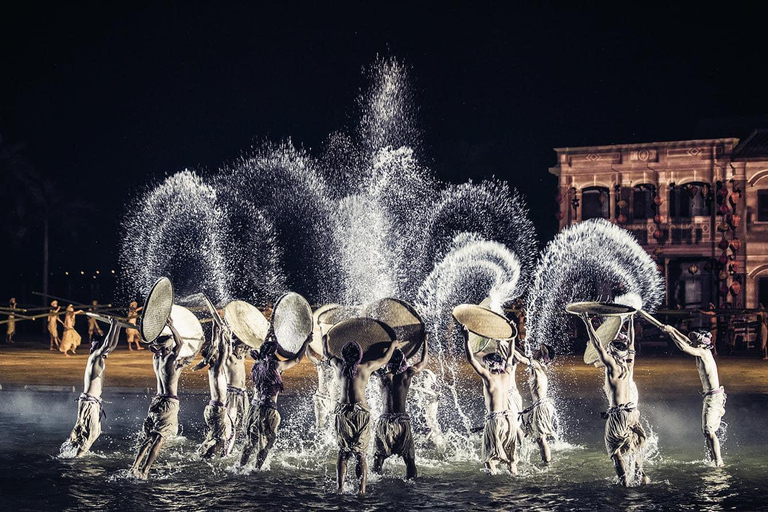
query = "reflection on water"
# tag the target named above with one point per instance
(300, 474)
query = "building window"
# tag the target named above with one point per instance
(688, 201)
(642, 202)
(762, 291)
(762, 208)
(594, 201)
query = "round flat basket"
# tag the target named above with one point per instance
(292, 322)
(317, 329)
(402, 318)
(484, 322)
(156, 310)
(372, 335)
(246, 322)
(599, 308)
(190, 330)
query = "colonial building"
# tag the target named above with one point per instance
(699, 207)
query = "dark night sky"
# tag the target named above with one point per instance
(109, 99)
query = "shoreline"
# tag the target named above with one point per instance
(25, 365)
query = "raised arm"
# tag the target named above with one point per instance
(290, 363)
(375, 364)
(515, 354)
(176, 337)
(424, 356)
(113, 336)
(680, 340)
(470, 356)
(606, 360)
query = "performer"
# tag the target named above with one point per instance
(93, 324)
(163, 416)
(133, 335)
(326, 395)
(89, 408)
(219, 425)
(537, 418)
(11, 326)
(500, 432)
(353, 416)
(53, 327)
(263, 417)
(70, 340)
(393, 428)
(699, 345)
(623, 432)
(237, 396)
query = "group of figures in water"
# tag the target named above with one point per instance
(361, 221)
(236, 419)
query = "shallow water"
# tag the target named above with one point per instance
(300, 476)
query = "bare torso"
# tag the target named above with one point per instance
(496, 388)
(616, 385)
(395, 389)
(352, 389)
(234, 370)
(167, 373)
(705, 364)
(94, 375)
(537, 381)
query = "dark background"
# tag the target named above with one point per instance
(107, 99)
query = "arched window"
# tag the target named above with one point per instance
(642, 202)
(689, 200)
(595, 203)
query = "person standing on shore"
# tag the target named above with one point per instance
(53, 327)
(93, 324)
(133, 335)
(11, 326)
(70, 340)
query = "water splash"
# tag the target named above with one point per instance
(179, 232)
(592, 260)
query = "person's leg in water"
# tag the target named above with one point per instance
(490, 467)
(361, 471)
(713, 448)
(157, 444)
(141, 454)
(546, 455)
(261, 457)
(378, 461)
(621, 470)
(410, 468)
(341, 469)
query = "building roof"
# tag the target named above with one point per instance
(753, 147)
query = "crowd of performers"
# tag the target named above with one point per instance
(341, 395)
(69, 340)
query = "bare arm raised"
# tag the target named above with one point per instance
(604, 357)
(681, 341)
(471, 357)
(424, 356)
(290, 363)
(375, 364)
(111, 339)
